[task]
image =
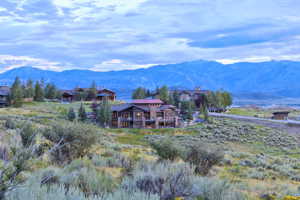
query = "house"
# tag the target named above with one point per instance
(4, 96)
(280, 115)
(67, 95)
(106, 93)
(145, 113)
(188, 95)
(82, 94)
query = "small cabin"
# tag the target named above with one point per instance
(4, 96)
(281, 115)
(67, 96)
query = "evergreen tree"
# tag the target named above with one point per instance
(50, 91)
(139, 93)
(38, 92)
(176, 98)
(187, 109)
(16, 95)
(227, 99)
(71, 114)
(164, 94)
(58, 94)
(29, 92)
(171, 100)
(204, 106)
(103, 114)
(81, 113)
(92, 92)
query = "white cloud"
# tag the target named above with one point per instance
(249, 59)
(117, 64)
(3, 9)
(8, 62)
(94, 8)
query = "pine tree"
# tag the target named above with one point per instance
(164, 94)
(82, 114)
(16, 95)
(227, 99)
(71, 114)
(92, 92)
(103, 114)
(204, 106)
(38, 92)
(176, 98)
(29, 92)
(50, 91)
(139, 93)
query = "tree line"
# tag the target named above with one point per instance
(38, 91)
(101, 113)
(213, 101)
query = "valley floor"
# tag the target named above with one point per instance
(260, 158)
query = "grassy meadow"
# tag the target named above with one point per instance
(256, 162)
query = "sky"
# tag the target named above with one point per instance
(105, 35)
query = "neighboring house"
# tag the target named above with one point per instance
(188, 95)
(106, 93)
(67, 95)
(70, 95)
(145, 113)
(281, 115)
(4, 96)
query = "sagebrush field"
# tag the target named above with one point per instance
(45, 156)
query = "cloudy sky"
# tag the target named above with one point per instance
(107, 35)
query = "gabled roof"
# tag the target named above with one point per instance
(281, 112)
(69, 92)
(125, 106)
(105, 90)
(4, 90)
(103, 95)
(147, 101)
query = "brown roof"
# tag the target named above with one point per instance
(281, 112)
(147, 101)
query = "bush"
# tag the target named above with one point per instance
(71, 140)
(71, 115)
(164, 179)
(81, 174)
(28, 134)
(10, 124)
(203, 157)
(115, 160)
(214, 189)
(82, 114)
(166, 149)
(77, 181)
(170, 181)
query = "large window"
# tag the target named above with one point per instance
(138, 115)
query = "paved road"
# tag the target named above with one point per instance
(290, 126)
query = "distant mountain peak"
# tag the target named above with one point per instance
(273, 77)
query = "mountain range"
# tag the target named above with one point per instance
(258, 80)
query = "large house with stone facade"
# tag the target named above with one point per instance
(145, 113)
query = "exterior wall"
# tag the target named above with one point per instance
(136, 118)
(280, 116)
(67, 98)
(3, 101)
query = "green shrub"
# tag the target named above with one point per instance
(203, 157)
(10, 124)
(166, 149)
(214, 189)
(71, 115)
(71, 140)
(171, 180)
(167, 180)
(28, 133)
